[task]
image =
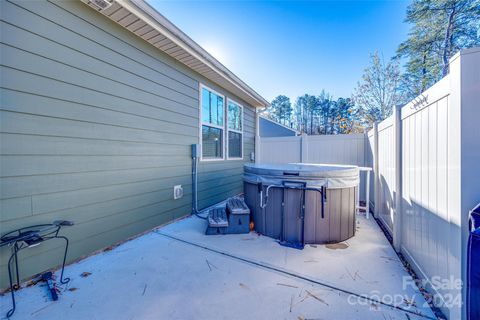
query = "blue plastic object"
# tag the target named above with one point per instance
(473, 266)
(293, 245)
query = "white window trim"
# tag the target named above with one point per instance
(201, 124)
(227, 129)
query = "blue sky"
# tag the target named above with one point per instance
(292, 48)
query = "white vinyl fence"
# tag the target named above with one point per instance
(370, 161)
(426, 161)
(386, 172)
(346, 149)
(331, 149)
(280, 150)
(426, 166)
(335, 149)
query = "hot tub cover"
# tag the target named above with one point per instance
(332, 176)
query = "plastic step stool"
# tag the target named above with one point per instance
(217, 221)
(237, 206)
(238, 216)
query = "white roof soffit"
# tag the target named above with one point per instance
(143, 20)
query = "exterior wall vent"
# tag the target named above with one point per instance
(177, 192)
(101, 4)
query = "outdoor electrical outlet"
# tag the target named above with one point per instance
(177, 192)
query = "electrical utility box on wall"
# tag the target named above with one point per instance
(195, 151)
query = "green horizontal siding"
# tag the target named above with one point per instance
(96, 127)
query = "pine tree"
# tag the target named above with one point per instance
(281, 110)
(440, 28)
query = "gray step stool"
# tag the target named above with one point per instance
(217, 221)
(235, 218)
(238, 216)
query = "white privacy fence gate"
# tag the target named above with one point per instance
(426, 161)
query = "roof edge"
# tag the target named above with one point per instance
(157, 20)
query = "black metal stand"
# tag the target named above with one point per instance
(322, 190)
(293, 185)
(30, 237)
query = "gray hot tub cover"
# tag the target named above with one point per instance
(316, 175)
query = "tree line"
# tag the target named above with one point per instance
(313, 115)
(439, 29)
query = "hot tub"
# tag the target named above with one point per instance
(302, 203)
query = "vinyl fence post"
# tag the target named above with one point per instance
(258, 148)
(303, 148)
(376, 181)
(397, 218)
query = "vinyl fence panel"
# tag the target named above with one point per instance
(344, 149)
(438, 175)
(280, 150)
(336, 149)
(386, 172)
(370, 162)
(427, 233)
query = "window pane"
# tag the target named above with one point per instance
(212, 142)
(219, 110)
(212, 108)
(206, 115)
(234, 116)
(234, 145)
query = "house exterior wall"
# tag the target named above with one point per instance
(96, 127)
(270, 129)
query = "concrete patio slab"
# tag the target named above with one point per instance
(158, 277)
(365, 265)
